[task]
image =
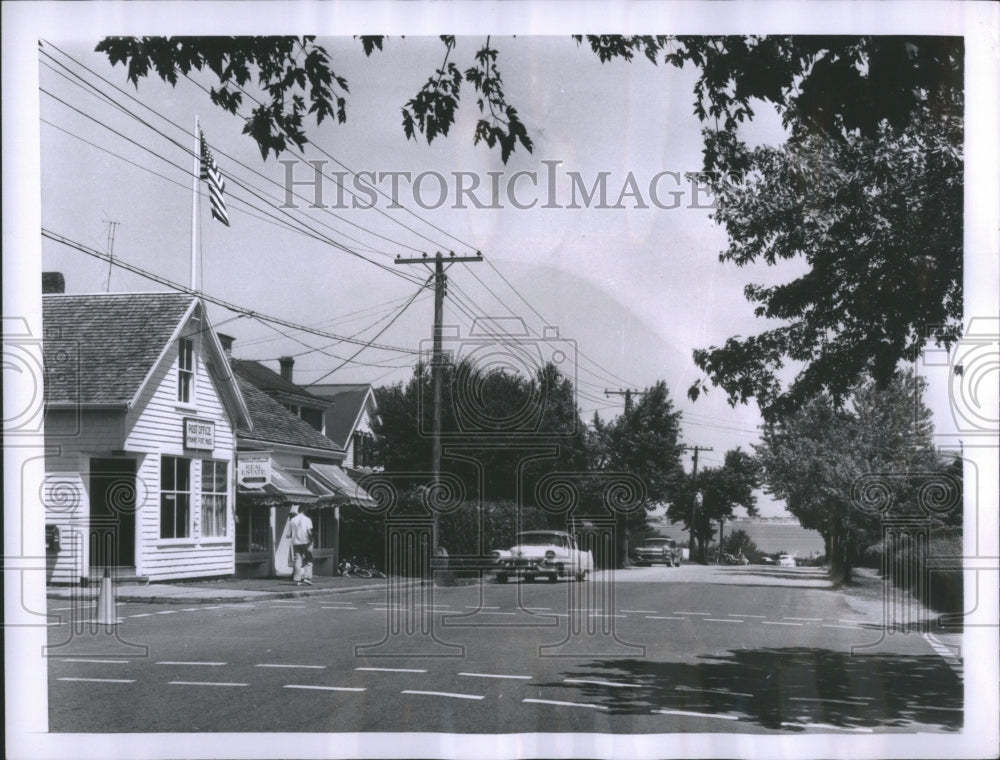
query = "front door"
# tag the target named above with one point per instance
(112, 513)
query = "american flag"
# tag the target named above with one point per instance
(216, 182)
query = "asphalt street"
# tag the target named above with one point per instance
(651, 650)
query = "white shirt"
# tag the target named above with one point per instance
(299, 528)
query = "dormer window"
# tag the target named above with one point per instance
(185, 370)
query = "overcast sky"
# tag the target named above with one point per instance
(632, 287)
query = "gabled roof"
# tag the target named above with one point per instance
(345, 406)
(102, 348)
(273, 423)
(271, 382)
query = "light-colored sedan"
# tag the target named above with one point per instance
(551, 554)
(786, 560)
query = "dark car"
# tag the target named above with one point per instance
(658, 550)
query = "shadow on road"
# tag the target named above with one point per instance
(796, 686)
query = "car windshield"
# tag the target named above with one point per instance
(539, 539)
(658, 542)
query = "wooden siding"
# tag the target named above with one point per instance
(152, 429)
(156, 426)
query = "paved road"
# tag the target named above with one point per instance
(656, 650)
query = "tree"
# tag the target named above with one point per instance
(643, 441)
(838, 467)
(722, 490)
(879, 224)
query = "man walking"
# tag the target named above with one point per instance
(300, 533)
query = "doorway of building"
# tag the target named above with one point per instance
(112, 513)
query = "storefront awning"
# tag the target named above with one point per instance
(290, 485)
(333, 477)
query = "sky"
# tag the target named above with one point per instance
(632, 285)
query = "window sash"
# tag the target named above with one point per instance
(185, 369)
(214, 498)
(175, 497)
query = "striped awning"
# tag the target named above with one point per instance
(291, 485)
(333, 477)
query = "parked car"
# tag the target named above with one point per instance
(658, 550)
(786, 560)
(551, 554)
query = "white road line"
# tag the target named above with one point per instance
(289, 604)
(825, 726)
(280, 665)
(103, 662)
(494, 675)
(170, 662)
(679, 612)
(213, 607)
(808, 620)
(205, 683)
(325, 688)
(167, 612)
(535, 608)
(831, 625)
(395, 670)
(733, 614)
(338, 608)
(604, 614)
(564, 704)
(144, 614)
(778, 622)
(187, 609)
(442, 694)
(830, 701)
(602, 683)
(639, 612)
(856, 622)
(720, 620)
(662, 617)
(697, 714)
(713, 691)
(100, 680)
(480, 607)
(60, 609)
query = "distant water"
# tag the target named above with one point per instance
(770, 537)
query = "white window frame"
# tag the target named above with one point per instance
(177, 494)
(185, 371)
(213, 514)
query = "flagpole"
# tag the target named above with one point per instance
(194, 206)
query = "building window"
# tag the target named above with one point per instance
(175, 497)
(185, 370)
(251, 528)
(214, 498)
(363, 444)
(324, 529)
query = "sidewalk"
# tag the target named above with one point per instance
(225, 590)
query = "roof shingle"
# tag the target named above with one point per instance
(273, 423)
(98, 349)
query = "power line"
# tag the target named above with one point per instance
(218, 301)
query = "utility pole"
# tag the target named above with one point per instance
(437, 361)
(694, 498)
(627, 393)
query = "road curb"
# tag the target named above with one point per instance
(205, 597)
